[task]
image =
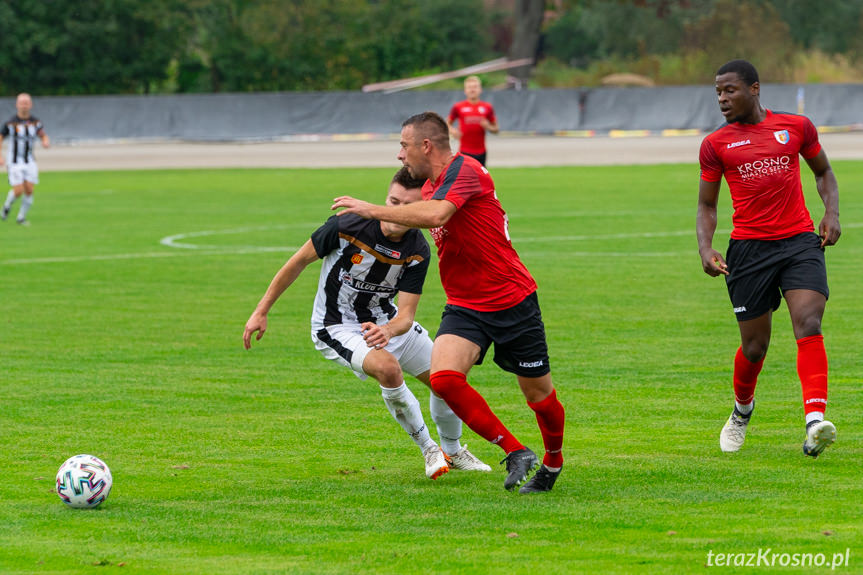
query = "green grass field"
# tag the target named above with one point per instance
(277, 461)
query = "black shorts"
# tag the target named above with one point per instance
(760, 271)
(518, 335)
(478, 157)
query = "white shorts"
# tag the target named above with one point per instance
(20, 173)
(344, 344)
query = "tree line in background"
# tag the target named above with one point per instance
(174, 46)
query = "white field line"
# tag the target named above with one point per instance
(183, 248)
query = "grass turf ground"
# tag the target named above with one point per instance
(277, 461)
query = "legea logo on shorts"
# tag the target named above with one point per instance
(765, 167)
(740, 309)
(531, 363)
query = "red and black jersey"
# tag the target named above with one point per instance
(479, 268)
(469, 116)
(761, 164)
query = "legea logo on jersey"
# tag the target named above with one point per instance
(782, 136)
(737, 144)
(765, 167)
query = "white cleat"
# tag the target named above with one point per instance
(734, 432)
(819, 436)
(467, 461)
(437, 462)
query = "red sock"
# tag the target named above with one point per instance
(550, 417)
(812, 369)
(745, 377)
(472, 409)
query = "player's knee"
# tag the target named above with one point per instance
(807, 326)
(386, 370)
(754, 350)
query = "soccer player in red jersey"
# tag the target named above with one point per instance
(491, 297)
(774, 251)
(474, 117)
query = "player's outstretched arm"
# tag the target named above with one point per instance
(426, 214)
(282, 281)
(378, 336)
(705, 227)
(825, 180)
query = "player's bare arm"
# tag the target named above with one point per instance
(378, 336)
(705, 227)
(825, 181)
(282, 281)
(46, 141)
(1, 149)
(454, 132)
(427, 214)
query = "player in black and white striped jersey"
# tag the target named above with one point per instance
(22, 129)
(356, 323)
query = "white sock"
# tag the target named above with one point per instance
(814, 416)
(405, 408)
(448, 424)
(744, 409)
(9, 199)
(26, 202)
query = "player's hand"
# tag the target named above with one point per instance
(829, 230)
(455, 134)
(256, 323)
(713, 263)
(353, 206)
(376, 336)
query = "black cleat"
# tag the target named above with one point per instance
(541, 482)
(4, 213)
(519, 464)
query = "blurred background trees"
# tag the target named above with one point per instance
(173, 46)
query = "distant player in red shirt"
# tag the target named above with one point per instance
(491, 297)
(474, 118)
(774, 251)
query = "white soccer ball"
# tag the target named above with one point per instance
(84, 481)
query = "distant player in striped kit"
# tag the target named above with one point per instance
(356, 323)
(774, 251)
(491, 297)
(21, 130)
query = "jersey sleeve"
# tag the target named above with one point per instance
(459, 185)
(810, 146)
(326, 238)
(711, 165)
(5, 130)
(414, 277)
(415, 271)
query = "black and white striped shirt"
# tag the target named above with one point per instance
(22, 134)
(363, 271)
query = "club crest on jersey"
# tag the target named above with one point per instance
(387, 251)
(782, 136)
(357, 259)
